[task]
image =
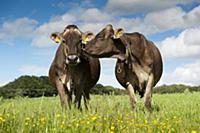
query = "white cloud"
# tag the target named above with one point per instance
(91, 19)
(134, 6)
(95, 15)
(56, 23)
(93, 27)
(87, 19)
(193, 17)
(19, 28)
(33, 70)
(186, 44)
(164, 20)
(186, 74)
(94, 19)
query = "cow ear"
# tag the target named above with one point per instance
(56, 37)
(87, 36)
(118, 33)
(109, 31)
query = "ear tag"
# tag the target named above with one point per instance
(85, 40)
(57, 39)
(118, 34)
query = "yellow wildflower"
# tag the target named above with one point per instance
(61, 126)
(112, 128)
(194, 131)
(94, 118)
(28, 119)
(58, 115)
(77, 124)
(155, 122)
(2, 119)
(42, 119)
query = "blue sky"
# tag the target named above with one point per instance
(25, 26)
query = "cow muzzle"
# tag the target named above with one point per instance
(72, 59)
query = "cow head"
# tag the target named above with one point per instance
(70, 39)
(106, 44)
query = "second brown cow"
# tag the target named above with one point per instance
(139, 66)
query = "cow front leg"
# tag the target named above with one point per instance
(69, 99)
(86, 102)
(61, 91)
(86, 98)
(133, 99)
(148, 93)
(78, 97)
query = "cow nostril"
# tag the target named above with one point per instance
(72, 58)
(75, 58)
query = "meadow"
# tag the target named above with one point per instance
(172, 113)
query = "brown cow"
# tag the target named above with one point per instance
(139, 65)
(71, 71)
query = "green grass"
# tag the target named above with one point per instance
(173, 113)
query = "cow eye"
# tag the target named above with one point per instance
(63, 41)
(101, 38)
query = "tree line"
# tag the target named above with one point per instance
(33, 86)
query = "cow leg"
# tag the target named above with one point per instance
(78, 99)
(69, 99)
(148, 93)
(132, 96)
(86, 98)
(85, 102)
(61, 91)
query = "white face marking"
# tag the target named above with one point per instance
(67, 61)
(78, 61)
(68, 85)
(78, 31)
(65, 32)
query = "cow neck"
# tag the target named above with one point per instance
(125, 41)
(84, 56)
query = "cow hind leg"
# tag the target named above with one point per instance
(132, 96)
(148, 93)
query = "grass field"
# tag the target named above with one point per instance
(172, 113)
